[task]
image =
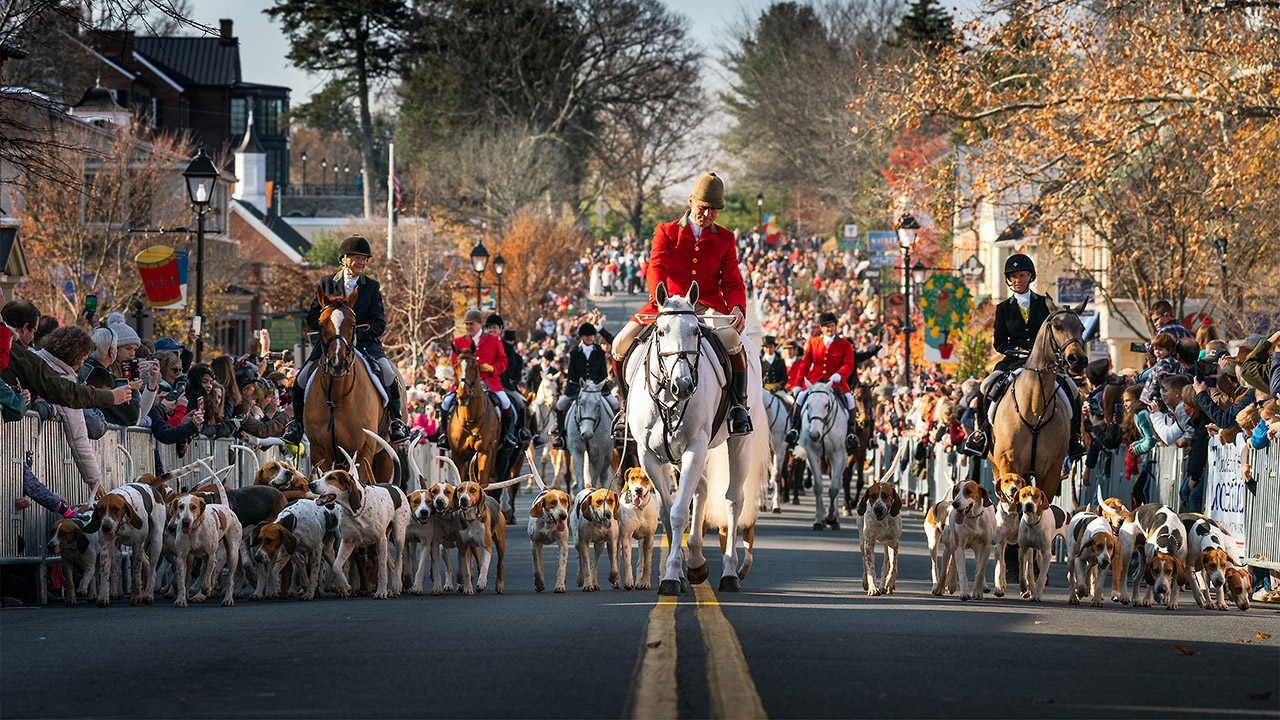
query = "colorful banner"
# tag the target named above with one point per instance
(1225, 491)
(164, 276)
(945, 307)
(771, 232)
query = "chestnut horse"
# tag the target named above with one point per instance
(475, 427)
(1032, 426)
(342, 399)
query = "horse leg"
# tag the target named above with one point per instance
(739, 449)
(814, 458)
(691, 463)
(698, 571)
(846, 479)
(838, 463)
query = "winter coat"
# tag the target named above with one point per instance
(73, 426)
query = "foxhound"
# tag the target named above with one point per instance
(431, 524)
(79, 553)
(481, 533)
(1008, 516)
(1213, 566)
(971, 524)
(203, 529)
(593, 527)
(131, 515)
(1039, 525)
(1091, 549)
(882, 524)
(283, 477)
(549, 525)
(302, 534)
(638, 520)
(1161, 541)
(376, 515)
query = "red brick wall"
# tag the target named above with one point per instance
(253, 246)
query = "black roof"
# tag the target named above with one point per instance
(277, 225)
(193, 60)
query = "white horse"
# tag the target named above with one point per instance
(544, 419)
(822, 432)
(777, 414)
(590, 446)
(671, 405)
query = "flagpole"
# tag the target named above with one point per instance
(391, 196)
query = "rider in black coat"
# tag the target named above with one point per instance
(1018, 321)
(510, 378)
(587, 362)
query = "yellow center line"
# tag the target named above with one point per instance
(654, 691)
(733, 692)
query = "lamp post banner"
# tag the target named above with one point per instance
(945, 307)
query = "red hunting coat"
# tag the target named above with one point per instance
(490, 352)
(712, 260)
(821, 362)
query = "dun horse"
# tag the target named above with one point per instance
(1031, 430)
(342, 399)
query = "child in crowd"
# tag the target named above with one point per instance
(1141, 438)
(1163, 347)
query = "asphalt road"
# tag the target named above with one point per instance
(801, 640)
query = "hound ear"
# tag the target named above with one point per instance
(538, 507)
(862, 504)
(290, 542)
(1042, 501)
(96, 521)
(82, 541)
(1146, 572)
(986, 497)
(660, 293)
(692, 295)
(1180, 569)
(1199, 566)
(355, 494)
(896, 506)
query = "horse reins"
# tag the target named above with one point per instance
(1059, 363)
(671, 414)
(331, 374)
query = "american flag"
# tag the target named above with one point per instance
(395, 188)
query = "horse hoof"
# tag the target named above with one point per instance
(698, 575)
(834, 523)
(729, 583)
(818, 526)
(777, 511)
(669, 587)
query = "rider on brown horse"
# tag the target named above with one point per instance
(830, 359)
(695, 249)
(492, 359)
(1018, 321)
(370, 322)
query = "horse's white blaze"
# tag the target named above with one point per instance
(337, 317)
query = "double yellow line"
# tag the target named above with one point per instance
(733, 692)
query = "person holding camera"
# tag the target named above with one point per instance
(1017, 324)
(371, 321)
(115, 347)
(27, 373)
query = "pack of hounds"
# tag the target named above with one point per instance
(290, 534)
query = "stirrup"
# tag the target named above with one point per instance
(397, 430)
(851, 442)
(739, 421)
(557, 443)
(976, 444)
(793, 436)
(292, 434)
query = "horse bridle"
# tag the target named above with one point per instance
(595, 420)
(831, 409)
(664, 377)
(325, 344)
(1060, 351)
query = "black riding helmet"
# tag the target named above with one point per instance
(586, 328)
(355, 245)
(1017, 262)
(827, 317)
(494, 319)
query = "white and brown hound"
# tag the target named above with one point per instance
(131, 515)
(1040, 523)
(879, 510)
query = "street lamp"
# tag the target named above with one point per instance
(335, 178)
(324, 165)
(304, 172)
(907, 227)
(760, 210)
(917, 273)
(499, 266)
(479, 259)
(202, 178)
(346, 175)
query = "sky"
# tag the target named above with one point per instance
(263, 43)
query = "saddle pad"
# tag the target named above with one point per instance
(635, 366)
(373, 375)
(991, 411)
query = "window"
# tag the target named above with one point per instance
(239, 115)
(184, 114)
(275, 166)
(155, 114)
(273, 124)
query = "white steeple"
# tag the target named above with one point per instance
(251, 169)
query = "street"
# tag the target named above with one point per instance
(812, 645)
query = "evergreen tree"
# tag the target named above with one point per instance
(927, 24)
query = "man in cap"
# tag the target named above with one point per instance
(492, 359)
(370, 321)
(831, 359)
(496, 326)
(695, 249)
(1018, 321)
(586, 363)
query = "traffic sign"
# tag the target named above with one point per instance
(973, 269)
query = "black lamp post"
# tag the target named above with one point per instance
(202, 178)
(499, 266)
(336, 169)
(324, 167)
(760, 210)
(1218, 226)
(907, 227)
(304, 171)
(479, 259)
(346, 175)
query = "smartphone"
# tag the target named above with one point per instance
(200, 404)
(1138, 347)
(133, 369)
(91, 304)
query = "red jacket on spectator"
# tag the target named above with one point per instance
(489, 352)
(821, 362)
(712, 260)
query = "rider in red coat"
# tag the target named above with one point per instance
(695, 249)
(493, 361)
(830, 359)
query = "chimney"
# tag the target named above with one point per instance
(225, 36)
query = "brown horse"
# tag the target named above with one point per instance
(344, 400)
(1032, 427)
(475, 427)
(864, 416)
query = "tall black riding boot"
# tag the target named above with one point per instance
(793, 424)
(739, 418)
(851, 441)
(509, 429)
(397, 431)
(619, 428)
(442, 426)
(557, 440)
(1075, 449)
(293, 431)
(976, 443)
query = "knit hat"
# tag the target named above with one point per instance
(708, 191)
(125, 335)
